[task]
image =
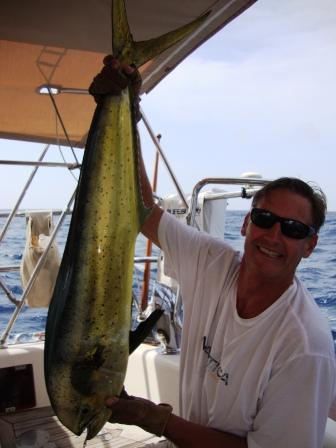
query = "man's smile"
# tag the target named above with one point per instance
(269, 252)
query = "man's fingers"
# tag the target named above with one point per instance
(111, 60)
(111, 401)
(113, 76)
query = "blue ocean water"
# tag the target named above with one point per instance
(318, 271)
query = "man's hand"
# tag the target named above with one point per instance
(113, 78)
(129, 410)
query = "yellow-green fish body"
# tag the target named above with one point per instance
(88, 324)
(87, 337)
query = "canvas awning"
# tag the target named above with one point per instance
(63, 43)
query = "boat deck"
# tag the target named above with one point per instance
(20, 430)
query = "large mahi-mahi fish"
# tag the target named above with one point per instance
(88, 324)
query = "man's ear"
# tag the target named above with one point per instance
(245, 224)
(311, 243)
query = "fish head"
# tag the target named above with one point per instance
(92, 416)
(93, 385)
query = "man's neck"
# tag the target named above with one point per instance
(255, 293)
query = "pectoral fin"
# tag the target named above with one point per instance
(138, 335)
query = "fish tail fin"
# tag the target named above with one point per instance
(138, 53)
(146, 50)
(138, 335)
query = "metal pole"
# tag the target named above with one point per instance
(9, 293)
(62, 123)
(146, 276)
(9, 268)
(71, 166)
(164, 158)
(25, 188)
(34, 274)
(218, 180)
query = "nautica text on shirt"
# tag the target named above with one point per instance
(214, 365)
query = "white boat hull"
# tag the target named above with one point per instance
(150, 375)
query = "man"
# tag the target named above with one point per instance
(257, 358)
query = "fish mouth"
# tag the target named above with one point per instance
(93, 421)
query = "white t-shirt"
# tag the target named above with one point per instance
(271, 378)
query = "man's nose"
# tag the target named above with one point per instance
(275, 230)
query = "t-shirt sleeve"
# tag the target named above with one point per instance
(188, 252)
(295, 405)
(179, 243)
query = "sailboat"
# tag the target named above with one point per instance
(49, 53)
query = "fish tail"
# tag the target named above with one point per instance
(138, 53)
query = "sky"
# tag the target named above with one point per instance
(259, 96)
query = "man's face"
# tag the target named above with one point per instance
(268, 252)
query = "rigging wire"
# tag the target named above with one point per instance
(62, 123)
(61, 151)
(49, 60)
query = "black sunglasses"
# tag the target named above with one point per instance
(289, 227)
